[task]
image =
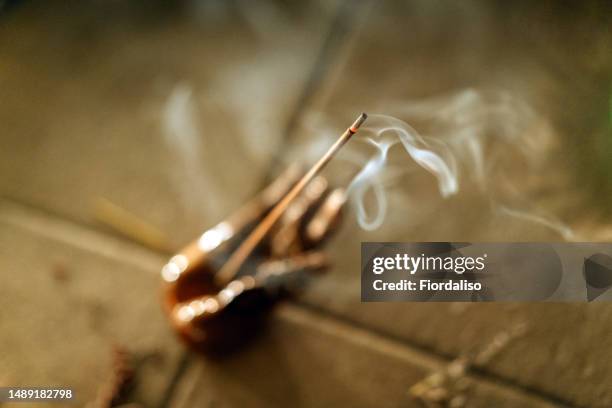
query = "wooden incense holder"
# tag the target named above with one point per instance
(218, 288)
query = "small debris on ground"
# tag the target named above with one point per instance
(113, 394)
(449, 386)
(60, 272)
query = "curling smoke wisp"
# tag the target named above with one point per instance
(490, 140)
(432, 156)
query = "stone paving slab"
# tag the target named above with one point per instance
(306, 359)
(70, 298)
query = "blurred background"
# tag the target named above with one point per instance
(129, 127)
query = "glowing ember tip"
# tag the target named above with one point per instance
(358, 122)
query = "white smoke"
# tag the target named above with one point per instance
(185, 140)
(488, 139)
(429, 154)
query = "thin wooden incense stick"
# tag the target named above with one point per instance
(229, 270)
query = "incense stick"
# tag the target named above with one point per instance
(237, 259)
(130, 225)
